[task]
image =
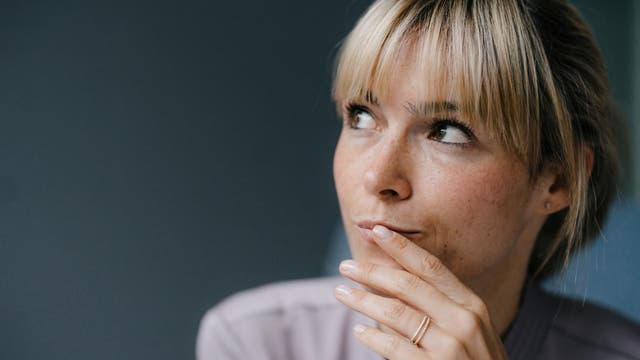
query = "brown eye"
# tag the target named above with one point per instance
(450, 132)
(363, 120)
(360, 118)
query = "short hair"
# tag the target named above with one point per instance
(529, 70)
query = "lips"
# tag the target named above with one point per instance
(366, 227)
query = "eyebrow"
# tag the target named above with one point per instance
(430, 108)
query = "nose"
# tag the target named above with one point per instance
(386, 177)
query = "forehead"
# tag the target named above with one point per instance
(408, 79)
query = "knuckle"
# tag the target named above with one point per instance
(359, 296)
(368, 270)
(431, 264)
(452, 347)
(407, 283)
(478, 307)
(395, 310)
(470, 324)
(401, 243)
(391, 344)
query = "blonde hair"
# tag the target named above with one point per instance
(529, 70)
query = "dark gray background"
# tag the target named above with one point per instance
(157, 156)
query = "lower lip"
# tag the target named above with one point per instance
(367, 235)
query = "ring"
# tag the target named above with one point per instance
(422, 329)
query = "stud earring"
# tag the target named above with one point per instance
(547, 205)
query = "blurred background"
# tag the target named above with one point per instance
(157, 156)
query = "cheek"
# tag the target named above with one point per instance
(340, 168)
(345, 175)
(348, 168)
(478, 216)
(489, 194)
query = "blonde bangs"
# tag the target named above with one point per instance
(476, 54)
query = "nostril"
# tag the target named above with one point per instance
(389, 193)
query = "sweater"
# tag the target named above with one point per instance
(302, 320)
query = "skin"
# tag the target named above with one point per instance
(466, 215)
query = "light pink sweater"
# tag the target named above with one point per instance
(284, 321)
(301, 320)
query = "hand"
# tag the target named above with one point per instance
(460, 327)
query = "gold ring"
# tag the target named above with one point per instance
(422, 329)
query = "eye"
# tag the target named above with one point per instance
(359, 117)
(451, 132)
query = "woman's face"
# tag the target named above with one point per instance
(419, 167)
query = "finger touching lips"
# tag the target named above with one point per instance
(422, 263)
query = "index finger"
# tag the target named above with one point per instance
(422, 263)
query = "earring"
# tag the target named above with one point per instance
(547, 205)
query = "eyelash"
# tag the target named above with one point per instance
(439, 124)
(435, 125)
(351, 111)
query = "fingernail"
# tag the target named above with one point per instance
(359, 329)
(382, 232)
(348, 266)
(343, 290)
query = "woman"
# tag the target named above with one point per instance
(476, 155)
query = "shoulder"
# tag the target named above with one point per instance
(595, 330)
(277, 321)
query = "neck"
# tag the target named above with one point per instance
(502, 298)
(502, 288)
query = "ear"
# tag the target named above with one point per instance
(555, 191)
